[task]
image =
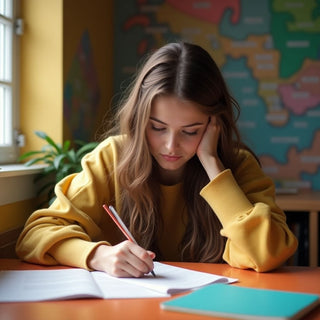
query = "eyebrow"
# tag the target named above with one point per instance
(186, 126)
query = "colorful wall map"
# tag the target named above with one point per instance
(269, 53)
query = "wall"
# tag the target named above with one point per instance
(40, 105)
(41, 64)
(65, 51)
(17, 201)
(87, 66)
(49, 50)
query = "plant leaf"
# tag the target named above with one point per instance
(72, 155)
(44, 136)
(66, 145)
(33, 161)
(29, 154)
(86, 148)
(52, 200)
(58, 160)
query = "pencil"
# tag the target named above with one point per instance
(118, 221)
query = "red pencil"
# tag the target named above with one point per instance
(117, 220)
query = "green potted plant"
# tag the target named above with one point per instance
(60, 160)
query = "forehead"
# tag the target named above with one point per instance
(170, 109)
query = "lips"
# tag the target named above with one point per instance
(170, 158)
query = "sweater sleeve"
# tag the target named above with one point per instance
(255, 227)
(68, 231)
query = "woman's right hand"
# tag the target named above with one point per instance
(207, 151)
(125, 259)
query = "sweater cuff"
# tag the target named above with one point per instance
(74, 252)
(226, 198)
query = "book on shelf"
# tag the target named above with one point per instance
(298, 223)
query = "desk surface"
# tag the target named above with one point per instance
(302, 279)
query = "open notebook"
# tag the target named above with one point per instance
(61, 284)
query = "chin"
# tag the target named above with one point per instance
(171, 167)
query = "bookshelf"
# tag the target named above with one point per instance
(306, 202)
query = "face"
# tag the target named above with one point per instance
(174, 131)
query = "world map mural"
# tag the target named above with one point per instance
(269, 54)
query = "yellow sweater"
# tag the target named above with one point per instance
(67, 232)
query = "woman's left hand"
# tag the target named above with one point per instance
(207, 151)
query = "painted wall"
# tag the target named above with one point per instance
(41, 78)
(41, 85)
(87, 66)
(66, 45)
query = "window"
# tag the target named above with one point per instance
(8, 81)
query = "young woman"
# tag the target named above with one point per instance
(178, 174)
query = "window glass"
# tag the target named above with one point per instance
(8, 82)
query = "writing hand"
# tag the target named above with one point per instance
(125, 259)
(207, 151)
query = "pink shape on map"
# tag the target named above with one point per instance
(298, 101)
(209, 10)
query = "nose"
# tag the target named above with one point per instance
(172, 142)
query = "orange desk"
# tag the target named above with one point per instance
(309, 202)
(302, 279)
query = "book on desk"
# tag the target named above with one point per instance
(244, 303)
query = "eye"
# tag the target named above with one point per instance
(191, 133)
(155, 128)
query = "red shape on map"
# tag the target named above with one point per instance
(209, 10)
(142, 47)
(140, 20)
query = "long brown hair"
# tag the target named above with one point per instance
(188, 72)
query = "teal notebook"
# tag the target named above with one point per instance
(234, 302)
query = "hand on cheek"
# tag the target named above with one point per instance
(209, 143)
(207, 151)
